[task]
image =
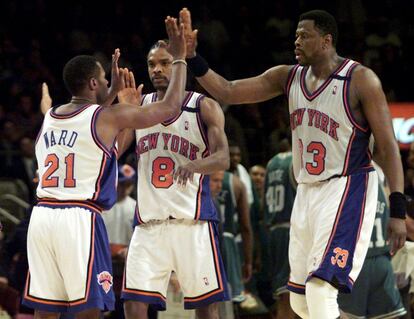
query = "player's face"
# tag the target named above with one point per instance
(308, 43)
(159, 68)
(102, 89)
(216, 182)
(257, 174)
(235, 156)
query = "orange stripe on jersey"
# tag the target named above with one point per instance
(69, 115)
(98, 181)
(290, 283)
(200, 190)
(144, 293)
(348, 151)
(338, 215)
(363, 207)
(81, 204)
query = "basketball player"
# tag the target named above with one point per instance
(375, 294)
(175, 217)
(280, 191)
(335, 104)
(235, 217)
(68, 249)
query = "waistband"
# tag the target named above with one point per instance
(53, 203)
(280, 225)
(172, 221)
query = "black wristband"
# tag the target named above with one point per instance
(398, 205)
(198, 65)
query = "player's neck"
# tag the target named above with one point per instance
(323, 68)
(81, 100)
(160, 94)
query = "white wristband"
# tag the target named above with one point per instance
(179, 61)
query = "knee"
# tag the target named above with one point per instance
(135, 309)
(298, 305)
(208, 312)
(321, 299)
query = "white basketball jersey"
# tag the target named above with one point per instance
(160, 150)
(74, 165)
(326, 139)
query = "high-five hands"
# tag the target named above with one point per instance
(189, 33)
(177, 45)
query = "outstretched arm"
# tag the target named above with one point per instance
(369, 93)
(115, 118)
(256, 89)
(219, 158)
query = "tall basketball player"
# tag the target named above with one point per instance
(176, 222)
(335, 104)
(68, 249)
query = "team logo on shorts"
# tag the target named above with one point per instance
(334, 90)
(105, 280)
(186, 125)
(206, 281)
(340, 258)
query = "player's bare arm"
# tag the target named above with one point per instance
(246, 231)
(219, 158)
(255, 89)
(367, 89)
(117, 117)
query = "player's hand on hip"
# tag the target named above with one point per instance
(184, 173)
(189, 33)
(130, 93)
(176, 46)
(397, 233)
(46, 101)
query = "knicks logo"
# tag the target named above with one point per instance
(105, 280)
(340, 258)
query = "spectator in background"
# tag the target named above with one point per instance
(239, 170)
(118, 220)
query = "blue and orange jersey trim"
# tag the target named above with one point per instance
(184, 104)
(54, 203)
(69, 115)
(311, 96)
(291, 76)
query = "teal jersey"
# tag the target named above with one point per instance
(279, 189)
(227, 204)
(378, 244)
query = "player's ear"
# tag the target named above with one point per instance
(93, 83)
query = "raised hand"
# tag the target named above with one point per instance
(116, 73)
(130, 93)
(189, 33)
(177, 45)
(46, 101)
